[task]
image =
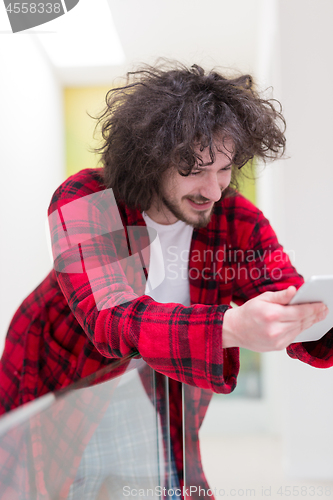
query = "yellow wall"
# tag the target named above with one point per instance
(79, 127)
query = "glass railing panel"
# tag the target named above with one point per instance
(105, 437)
(276, 445)
(194, 403)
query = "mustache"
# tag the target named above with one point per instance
(198, 199)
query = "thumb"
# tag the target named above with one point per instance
(282, 297)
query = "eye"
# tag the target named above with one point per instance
(196, 172)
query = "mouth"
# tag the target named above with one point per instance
(200, 205)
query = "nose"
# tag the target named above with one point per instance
(210, 188)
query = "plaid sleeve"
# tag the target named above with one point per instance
(264, 266)
(103, 283)
(318, 353)
(257, 259)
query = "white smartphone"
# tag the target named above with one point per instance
(316, 289)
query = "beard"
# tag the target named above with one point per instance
(197, 221)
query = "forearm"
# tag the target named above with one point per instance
(184, 343)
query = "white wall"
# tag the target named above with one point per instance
(32, 166)
(296, 196)
(307, 75)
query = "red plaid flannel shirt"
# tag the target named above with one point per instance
(59, 335)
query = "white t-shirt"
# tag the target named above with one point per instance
(168, 266)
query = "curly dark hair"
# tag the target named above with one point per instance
(162, 114)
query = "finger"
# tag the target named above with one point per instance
(301, 312)
(291, 334)
(313, 319)
(282, 297)
(294, 328)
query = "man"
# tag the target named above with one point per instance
(174, 140)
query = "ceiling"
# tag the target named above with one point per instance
(220, 31)
(103, 39)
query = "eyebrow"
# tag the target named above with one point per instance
(199, 168)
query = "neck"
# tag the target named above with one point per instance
(161, 215)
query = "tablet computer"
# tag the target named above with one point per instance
(316, 289)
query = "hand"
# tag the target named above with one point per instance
(267, 323)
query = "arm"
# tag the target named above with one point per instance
(265, 322)
(104, 288)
